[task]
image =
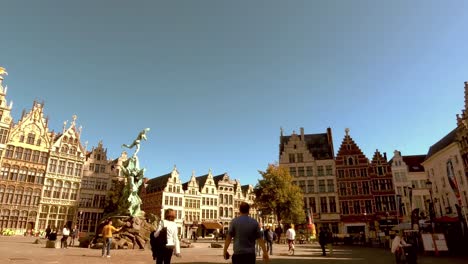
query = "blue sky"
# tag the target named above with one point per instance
(215, 80)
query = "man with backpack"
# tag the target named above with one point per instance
(165, 239)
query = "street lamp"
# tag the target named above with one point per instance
(432, 215)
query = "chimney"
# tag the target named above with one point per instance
(330, 141)
(385, 155)
(302, 133)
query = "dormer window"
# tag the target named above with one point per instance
(31, 138)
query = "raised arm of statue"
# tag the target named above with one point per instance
(137, 141)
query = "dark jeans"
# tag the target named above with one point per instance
(269, 245)
(322, 245)
(63, 241)
(243, 258)
(164, 255)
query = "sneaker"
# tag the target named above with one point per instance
(108, 256)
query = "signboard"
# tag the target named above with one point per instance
(439, 239)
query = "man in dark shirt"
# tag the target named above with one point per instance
(245, 231)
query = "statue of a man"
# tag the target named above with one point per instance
(137, 141)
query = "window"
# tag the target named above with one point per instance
(78, 169)
(3, 135)
(368, 207)
(329, 170)
(354, 189)
(352, 173)
(310, 186)
(300, 158)
(302, 185)
(61, 167)
(322, 186)
(18, 153)
(35, 156)
(340, 174)
(330, 186)
(344, 208)
(103, 168)
(43, 157)
(53, 165)
(9, 152)
(363, 172)
(31, 138)
(27, 154)
(312, 204)
(70, 166)
(292, 158)
(300, 171)
(342, 189)
(365, 187)
(309, 171)
(332, 202)
(320, 170)
(292, 171)
(356, 207)
(323, 205)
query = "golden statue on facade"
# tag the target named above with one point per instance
(2, 72)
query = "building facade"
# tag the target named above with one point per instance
(310, 160)
(23, 171)
(59, 199)
(409, 178)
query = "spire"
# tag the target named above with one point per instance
(347, 131)
(73, 123)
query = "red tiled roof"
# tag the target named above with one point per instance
(414, 162)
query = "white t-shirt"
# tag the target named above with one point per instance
(291, 234)
(172, 236)
(66, 231)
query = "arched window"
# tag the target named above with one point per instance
(18, 195)
(31, 138)
(230, 199)
(221, 199)
(27, 197)
(14, 173)
(5, 171)
(31, 176)
(23, 172)
(2, 194)
(231, 212)
(65, 149)
(48, 188)
(66, 190)
(36, 196)
(226, 199)
(57, 188)
(221, 212)
(18, 153)
(72, 151)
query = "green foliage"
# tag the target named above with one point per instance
(276, 194)
(113, 197)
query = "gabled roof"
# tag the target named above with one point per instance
(441, 144)
(317, 144)
(352, 150)
(157, 184)
(245, 189)
(414, 162)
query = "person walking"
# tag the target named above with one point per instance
(291, 236)
(330, 241)
(65, 234)
(74, 234)
(397, 247)
(164, 255)
(107, 236)
(278, 231)
(245, 230)
(323, 240)
(47, 232)
(258, 250)
(269, 237)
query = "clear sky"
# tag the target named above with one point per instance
(215, 80)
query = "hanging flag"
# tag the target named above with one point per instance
(453, 181)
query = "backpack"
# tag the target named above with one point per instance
(269, 235)
(159, 242)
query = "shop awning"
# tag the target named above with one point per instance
(212, 225)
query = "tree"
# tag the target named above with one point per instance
(276, 194)
(113, 197)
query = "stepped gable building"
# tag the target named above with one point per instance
(310, 160)
(462, 141)
(192, 205)
(226, 189)
(99, 178)
(354, 186)
(383, 191)
(164, 192)
(209, 204)
(23, 170)
(5, 118)
(59, 199)
(409, 179)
